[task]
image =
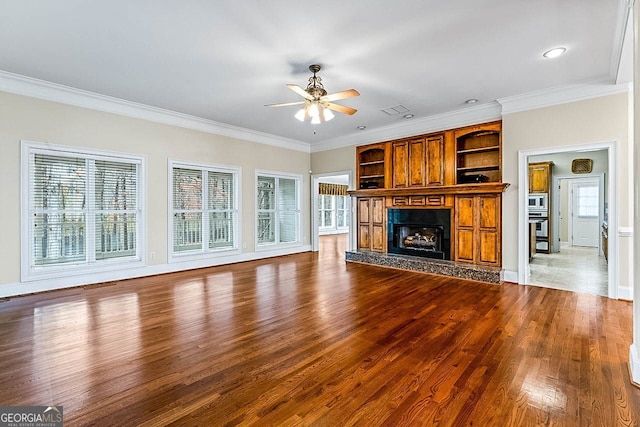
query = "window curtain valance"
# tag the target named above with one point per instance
(333, 189)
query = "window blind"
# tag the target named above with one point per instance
(83, 208)
(205, 212)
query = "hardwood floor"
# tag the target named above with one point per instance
(310, 340)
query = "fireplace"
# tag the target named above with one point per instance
(420, 232)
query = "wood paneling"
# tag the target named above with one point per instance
(435, 160)
(309, 340)
(400, 163)
(372, 235)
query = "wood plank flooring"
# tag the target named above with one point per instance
(311, 340)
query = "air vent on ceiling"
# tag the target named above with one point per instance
(581, 165)
(396, 109)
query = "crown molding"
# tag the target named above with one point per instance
(623, 33)
(453, 119)
(561, 95)
(36, 88)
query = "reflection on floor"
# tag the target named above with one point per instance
(333, 245)
(575, 269)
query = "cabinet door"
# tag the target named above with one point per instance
(465, 229)
(377, 210)
(465, 211)
(417, 162)
(400, 154)
(465, 249)
(378, 224)
(372, 225)
(538, 179)
(489, 230)
(363, 210)
(489, 211)
(435, 161)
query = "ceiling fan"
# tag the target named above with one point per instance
(317, 103)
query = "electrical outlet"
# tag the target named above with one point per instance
(152, 255)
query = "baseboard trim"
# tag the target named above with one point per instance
(45, 285)
(625, 293)
(510, 276)
(634, 364)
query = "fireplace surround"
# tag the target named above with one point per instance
(419, 232)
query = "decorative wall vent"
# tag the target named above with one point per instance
(581, 165)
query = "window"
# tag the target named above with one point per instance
(325, 211)
(278, 209)
(342, 211)
(84, 210)
(588, 201)
(204, 209)
(333, 213)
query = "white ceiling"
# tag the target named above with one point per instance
(224, 60)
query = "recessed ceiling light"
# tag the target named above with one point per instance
(362, 127)
(471, 101)
(555, 52)
(408, 116)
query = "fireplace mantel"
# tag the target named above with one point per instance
(459, 189)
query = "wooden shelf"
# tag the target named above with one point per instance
(479, 150)
(479, 168)
(371, 176)
(378, 162)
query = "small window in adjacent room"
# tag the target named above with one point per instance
(83, 210)
(588, 201)
(278, 208)
(204, 209)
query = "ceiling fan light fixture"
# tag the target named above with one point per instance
(315, 120)
(328, 114)
(314, 112)
(301, 114)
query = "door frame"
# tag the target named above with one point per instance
(555, 232)
(612, 192)
(315, 229)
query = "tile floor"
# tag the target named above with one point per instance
(575, 268)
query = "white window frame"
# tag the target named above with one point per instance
(205, 251)
(322, 209)
(346, 212)
(31, 272)
(334, 228)
(298, 180)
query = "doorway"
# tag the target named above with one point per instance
(331, 213)
(601, 197)
(584, 213)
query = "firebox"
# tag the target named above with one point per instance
(420, 232)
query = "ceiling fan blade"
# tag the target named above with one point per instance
(340, 95)
(303, 93)
(340, 108)
(285, 104)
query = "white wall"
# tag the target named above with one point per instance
(25, 118)
(596, 120)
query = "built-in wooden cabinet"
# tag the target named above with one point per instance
(372, 226)
(478, 153)
(372, 165)
(478, 229)
(457, 169)
(418, 162)
(435, 160)
(408, 163)
(540, 177)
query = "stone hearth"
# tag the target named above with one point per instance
(428, 265)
